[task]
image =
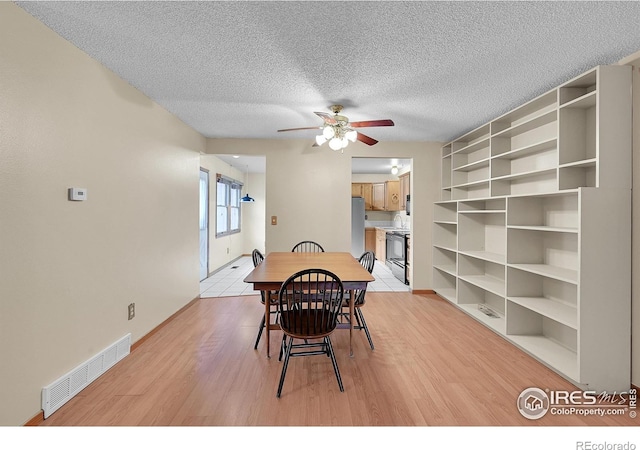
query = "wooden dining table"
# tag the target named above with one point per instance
(279, 266)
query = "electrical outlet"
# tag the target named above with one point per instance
(132, 310)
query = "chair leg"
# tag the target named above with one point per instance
(287, 354)
(255, 347)
(283, 345)
(335, 363)
(364, 325)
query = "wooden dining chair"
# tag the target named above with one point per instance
(309, 303)
(367, 259)
(257, 258)
(307, 247)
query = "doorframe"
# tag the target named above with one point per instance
(207, 233)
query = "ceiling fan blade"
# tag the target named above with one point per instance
(304, 128)
(372, 123)
(366, 139)
(328, 118)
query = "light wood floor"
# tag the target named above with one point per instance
(433, 365)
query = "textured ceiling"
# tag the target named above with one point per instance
(438, 69)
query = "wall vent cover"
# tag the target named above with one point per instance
(66, 387)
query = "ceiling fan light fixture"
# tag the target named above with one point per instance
(320, 139)
(338, 131)
(335, 143)
(328, 132)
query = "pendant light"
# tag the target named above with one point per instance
(246, 198)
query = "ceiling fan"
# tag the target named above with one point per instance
(339, 131)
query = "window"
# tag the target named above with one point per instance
(227, 205)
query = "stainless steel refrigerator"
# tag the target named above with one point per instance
(357, 226)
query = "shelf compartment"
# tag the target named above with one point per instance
(489, 205)
(484, 274)
(526, 183)
(471, 294)
(549, 340)
(577, 126)
(482, 232)
(445, 260)
(446, 172)
(557, 212)
(483, 305)
(470, 141)
(477, 189)
(445, 212)
(446, 150)
(503, 168)
(473, 166)
(501, 148)
(549, 297)
(444, 284)
(579, 88)
(546, 270)
(558, 311)
(551, 254)
(528, 115)
(542, 128)
(544, 228)
(578, 174)
(476, 149)
(476, 172)
(472, 158)
(498, 258)
(585, 101)
(549, 352)
(445, 235)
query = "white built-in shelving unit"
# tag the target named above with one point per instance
(532, 236)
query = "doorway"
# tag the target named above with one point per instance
(204, 224)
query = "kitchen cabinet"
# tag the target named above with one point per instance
(370, 240)
(405, 189)
(381, 245)
(386, 196)
(533, 234)
(378, 197)
(364, 190)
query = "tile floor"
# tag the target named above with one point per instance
(227, 281)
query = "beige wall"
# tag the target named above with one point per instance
(68, 270)
(253, 215)
(309, 190)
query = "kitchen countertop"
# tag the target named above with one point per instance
(392, 229)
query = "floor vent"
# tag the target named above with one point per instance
(488, 311)
(66, 387)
